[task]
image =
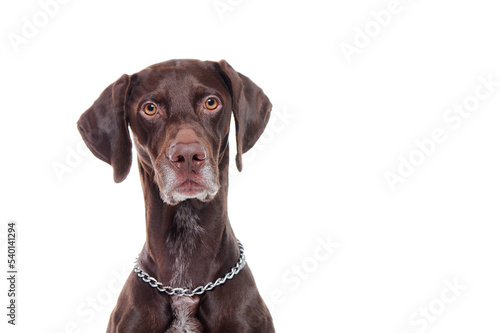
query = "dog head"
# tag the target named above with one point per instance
(179, 113)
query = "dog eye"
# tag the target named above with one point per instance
(211, 103)
(149, 109)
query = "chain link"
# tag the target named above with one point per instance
(198, 290)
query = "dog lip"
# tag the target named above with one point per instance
(190, 186)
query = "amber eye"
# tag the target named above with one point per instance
(211, 103)
(149, 109)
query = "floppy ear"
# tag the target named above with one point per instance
(251, 109)
(104, 128)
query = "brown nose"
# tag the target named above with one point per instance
(187, 156)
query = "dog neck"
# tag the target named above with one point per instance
(190, 243)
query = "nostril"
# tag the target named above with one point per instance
(176, 158)
(199, 157)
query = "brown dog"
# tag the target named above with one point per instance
(179, 112)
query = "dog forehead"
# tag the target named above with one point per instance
(180, 76)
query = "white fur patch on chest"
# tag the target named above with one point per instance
(186, 234)
(185, 320)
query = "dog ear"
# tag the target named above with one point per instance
(104, 128)
(251, 109)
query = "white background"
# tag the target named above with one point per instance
(317, 176)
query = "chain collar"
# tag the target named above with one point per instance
(198, 290)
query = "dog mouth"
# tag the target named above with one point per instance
(190, 187)
(175, 188)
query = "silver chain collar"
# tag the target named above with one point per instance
(198, 290)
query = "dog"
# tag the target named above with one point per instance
(191, 275)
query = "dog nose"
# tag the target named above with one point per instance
(187, 156)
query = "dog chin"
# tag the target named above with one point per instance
(175, 196)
